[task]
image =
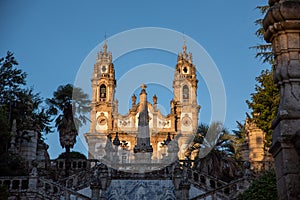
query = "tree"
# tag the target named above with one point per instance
(68, 106)
(240, 140)
(20, 104)
(263, 188)
(215, 152)
(195, 141)
(264, 50)
(264, 102)
(11, 81)
(4, 193)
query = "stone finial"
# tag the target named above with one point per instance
(116, 141)
(133, 99)
(108, 146)
(13, 137)
(105, 48)
(14, 127)
(184, 44)
(105, 45)
(143, 86)
(184, 55)
(154, 98)
(34, 171)
(104, 55)
(190, 56)
(184, 48)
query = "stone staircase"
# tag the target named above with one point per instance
(213, 187)
(67, 188)
(226, 192)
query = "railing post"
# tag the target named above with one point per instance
(95, 192)
(33, 180)
(67, 195)
(184, 189)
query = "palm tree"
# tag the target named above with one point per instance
(215, 153)
(195, 141)
(241, 141)
(68, 105)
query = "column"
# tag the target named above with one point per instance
(282, 29)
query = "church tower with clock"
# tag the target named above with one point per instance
(185, 96)
(180, 124)
(103, 106)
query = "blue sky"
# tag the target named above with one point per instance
(51, 39)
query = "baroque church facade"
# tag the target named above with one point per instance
(149, 171)
(107, 122)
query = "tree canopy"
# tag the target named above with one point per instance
(264, 102)
(215, 152)
(263, 188)
(18, 102)
(21, 105)
(68, 107)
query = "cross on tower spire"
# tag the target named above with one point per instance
(105, 45)
(184, 44)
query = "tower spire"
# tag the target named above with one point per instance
(184, 55)
(105, 45)
(184, 44)
(105, 55)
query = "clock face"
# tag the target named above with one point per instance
(102, 120)
(103, 69)
(186, 121)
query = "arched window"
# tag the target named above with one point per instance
(185, 92)
(102, 91)
(185, 70)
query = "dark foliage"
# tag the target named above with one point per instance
(263, 188)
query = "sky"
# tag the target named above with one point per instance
(53, 40)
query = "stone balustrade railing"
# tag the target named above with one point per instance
(204, 181)
(212, 186)
(53, 189)
(19, 183)
(38, 188)
(228, 191)
(67, 187)
(76, 164)
(260, 166)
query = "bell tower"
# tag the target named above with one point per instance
(185, 97)
(103, 104)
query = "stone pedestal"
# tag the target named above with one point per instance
(183, 191)
(100, 181)
(95, 192)
(182, 186)
(282, 28)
